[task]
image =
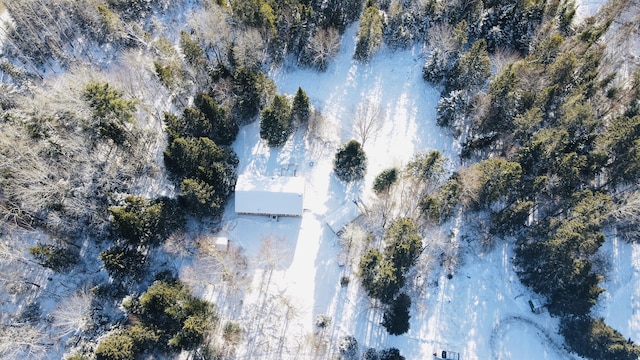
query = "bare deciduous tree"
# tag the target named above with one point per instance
(627, 215)
(323, 46)
(274, 252)
(503, 57)
(23, 342)
(211, 28)
(250, 49)
(367, 119)
(73, 314)
(441, 37)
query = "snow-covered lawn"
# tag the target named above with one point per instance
(482, 312)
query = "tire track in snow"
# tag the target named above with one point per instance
(500, 330)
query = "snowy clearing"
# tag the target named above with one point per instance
(482, 312)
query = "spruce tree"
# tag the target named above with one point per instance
(301, 108)
(276, 124)
(396, 317)
(350, 162)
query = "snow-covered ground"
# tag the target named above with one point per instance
(482, 312)
(587, 8)
(620, 304)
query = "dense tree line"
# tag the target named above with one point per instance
(554, 157)
(205, 171)
(168, 319)
(383, 274)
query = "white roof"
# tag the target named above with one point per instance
(281, 195)
(342, 216)
(221, 242)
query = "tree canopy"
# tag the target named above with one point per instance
(350, 162)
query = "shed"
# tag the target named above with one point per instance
(342, 216)
(221, 243)
(536, 306)
(275, 196)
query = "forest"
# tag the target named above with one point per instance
(117, 131)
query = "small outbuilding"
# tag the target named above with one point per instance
(536, 306)
(342, 216)
(221, 243)
(273, 196)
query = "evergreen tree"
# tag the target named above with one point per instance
(223, 128)
(116, 346)
(141, 221)
(57, 258)
(350, 162)
(276, 124)
(505, 96)
(194, 157)
(471, 70)
(621, 141)
(379, 277)
(451, 108)
(348, 348)
(199, 198)
(251, 89)
(384, 180)
(175, 126)
(437, 67)
(498, 178)
(110, 110)
(256, 13)
(593, 339)
(430, 207)
(427, 167)
(123, 262)
(391, 354)
(369, 33)
(396, 317)
(192, 51)
(559, 266)
(449, 195)
(403, 244)
(182, 318)
(339, 13)
(195, 123)
(301, 108)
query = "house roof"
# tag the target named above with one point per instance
(281, 195)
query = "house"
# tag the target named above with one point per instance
(273, 196)
(342, 216)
